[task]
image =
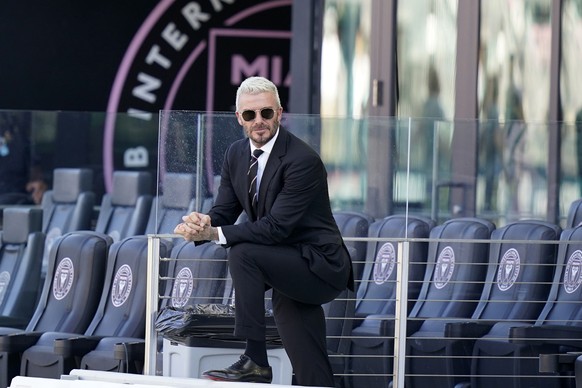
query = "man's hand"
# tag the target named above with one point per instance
(196, 227)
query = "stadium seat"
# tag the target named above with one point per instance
(450, 287)
(120, 316)
(376, 295)
(68, 206)
(516, 347)
(68, 301)
(196, 275)
(516, 285)
(125, 211)
(574, 214)
(354, 224)
(177, 199)
(21, 251)
(339, 314)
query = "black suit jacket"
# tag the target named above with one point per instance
(293, 207)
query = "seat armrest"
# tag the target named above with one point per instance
(547, 334)
(18, 342)
(387, 324)
(557, 363)
(468, 330)
(129, 351)
(75, 346)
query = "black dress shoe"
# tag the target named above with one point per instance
(244, 370)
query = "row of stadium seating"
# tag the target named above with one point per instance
(479, 298)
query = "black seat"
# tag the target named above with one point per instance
(68, 206)
(125, 211)
(120, 316)
(339, 314)
(517, 346)
(451, 287)
(354, 224)
(517, 282)
(177, 199)
(68, 301)
(21, 251)
(196, 275)
(376, 295)
(574, 214)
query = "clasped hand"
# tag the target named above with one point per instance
(195, 227)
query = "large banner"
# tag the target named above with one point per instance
(132, 59)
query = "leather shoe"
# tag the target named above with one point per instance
(244, 370)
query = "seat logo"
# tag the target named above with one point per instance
(573, 272)
(183, 286)
(385, 262)
(445, 267)
(121, 285)
(4, 281)
(64, 277)
(508, 269)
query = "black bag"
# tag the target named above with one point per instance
(204, 323)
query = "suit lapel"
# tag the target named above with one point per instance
(241, 174)
(278, 152)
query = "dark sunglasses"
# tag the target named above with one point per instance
(266, 113)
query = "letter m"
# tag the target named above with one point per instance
(241, 69)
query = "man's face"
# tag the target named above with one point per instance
(259, 129)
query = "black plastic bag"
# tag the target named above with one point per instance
(178, 324)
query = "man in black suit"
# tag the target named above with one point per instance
(291, 242)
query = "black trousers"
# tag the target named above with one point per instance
(297, 298)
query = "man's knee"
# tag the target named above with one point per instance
(239, 254)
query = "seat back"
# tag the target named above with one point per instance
(124, 212)
(574, 214)
(177, 199)
(455, 269)
(197, 275)
(520, 272)
(563, 306)
(76, 269)
(377, 292)
(122, 306)
(339, 314)
(68, 206)
(21, 251)
(354, 224)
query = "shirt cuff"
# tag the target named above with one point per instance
(221, 239)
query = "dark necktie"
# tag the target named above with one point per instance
(252, 178)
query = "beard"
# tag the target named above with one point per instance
(261, 134)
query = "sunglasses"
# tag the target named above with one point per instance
(266, 113)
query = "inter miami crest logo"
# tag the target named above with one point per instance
(508, 269)
(4, 281)
(445, 267)
(189, 55)
(385, 262)
(121, 285)
(64, 277)
(183, 286)
(573, 272)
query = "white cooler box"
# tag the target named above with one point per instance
(190, 361)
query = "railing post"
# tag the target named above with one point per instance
(401, 314)
(152, 292)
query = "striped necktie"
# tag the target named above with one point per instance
(252, 178)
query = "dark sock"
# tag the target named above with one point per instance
(257, 351)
